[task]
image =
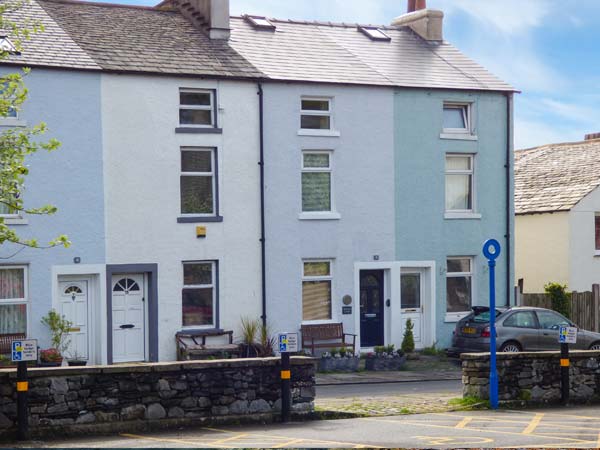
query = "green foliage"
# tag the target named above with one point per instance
(343, 350)
(257, 338)
(433, 351)
(561, 301)
(389, 349)
(378, 349)
(469, 402)
(267, 340)
(408, 341)
(18, 143)
(249, 330)
(59, 330)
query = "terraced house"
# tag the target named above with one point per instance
(218, 167)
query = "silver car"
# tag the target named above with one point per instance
(518, 329)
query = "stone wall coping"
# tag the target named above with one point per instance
(573, 354)
(158, 367)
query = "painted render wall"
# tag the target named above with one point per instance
(584, 260)
(142, 169)
(542, 250)
(422, 232)
(70, 179)
(363, 182)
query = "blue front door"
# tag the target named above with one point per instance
(371, 308)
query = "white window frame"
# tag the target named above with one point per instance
(213, 285)
(212, 107)
(596, 250)
(461, 213)
(456, 316)
(466, 109)
(317, 278)
(332, 214)
(212, 173)
(329, 113)
(20, 301)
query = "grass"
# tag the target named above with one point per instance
(469, 402)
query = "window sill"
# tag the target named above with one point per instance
(199, 219)
(319, 216)
(9, 122)
(319, 133)
(455, 317)
(16, 221)
(459, 136)
(465, 216)
(199, 130)
(597, 253)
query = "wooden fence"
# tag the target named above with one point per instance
(585, 306)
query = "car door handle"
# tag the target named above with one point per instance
(129, 325)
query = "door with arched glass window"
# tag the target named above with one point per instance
(73, 305)
(371, 308)
(128, 318)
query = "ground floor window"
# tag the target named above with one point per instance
(13, 300)
(459, 284)
(316, 290)
(199, 296)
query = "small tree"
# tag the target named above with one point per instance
(560, 299)
(59, 329)
(408, 342)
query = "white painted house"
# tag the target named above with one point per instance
(557, 203)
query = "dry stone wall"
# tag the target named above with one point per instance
(533, 377)
(127, 397)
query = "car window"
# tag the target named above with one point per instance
(549, 320)
(521, 319)
(484, 316)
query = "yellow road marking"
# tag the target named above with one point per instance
(533, 424)
(174, 441)
(463, 423)
(232, 438)
(481, 430)
(454, 441)
(285, 444)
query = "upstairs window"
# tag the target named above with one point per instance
(316, 114)
(198, 181)
(597, 227)
(260, 22)
(7, 46)
(375, 34)
(316, 182)
(459, 183)
(197, 108)
(457, 118)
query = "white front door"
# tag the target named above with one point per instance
(128, 318)
(74, 307)
(411, 298)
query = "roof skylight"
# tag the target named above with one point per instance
(375, 33)
(6, 45)
(260, 22)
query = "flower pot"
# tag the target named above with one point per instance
(77, 362)
(382, 364)
(339, 364)
(56, 363)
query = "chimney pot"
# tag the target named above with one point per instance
(416, 5)
(589, 137)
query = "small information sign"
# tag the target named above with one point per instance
(567, 335)
(24, 350)
(346, 310)
(288, 342)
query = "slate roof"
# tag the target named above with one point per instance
(131, 39)
(340, 53)
(555, 177)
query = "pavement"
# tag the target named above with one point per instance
(366, 377)
(548, 428)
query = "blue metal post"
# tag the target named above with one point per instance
(491, 250)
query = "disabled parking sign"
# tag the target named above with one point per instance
(567, 335)
(24, 350)
(288, 342)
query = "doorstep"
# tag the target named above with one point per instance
(367, 377)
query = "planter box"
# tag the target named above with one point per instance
(339, 364)
(385, 363)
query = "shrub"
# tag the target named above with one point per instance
(408, 342)
(59, 330)
(560, 299)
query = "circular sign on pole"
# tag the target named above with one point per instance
(491, 249)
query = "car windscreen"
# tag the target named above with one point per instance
(484, 316)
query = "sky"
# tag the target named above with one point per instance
(547, 49)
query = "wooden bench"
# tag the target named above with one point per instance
(327, 335)
(6, 341)
(191, 344)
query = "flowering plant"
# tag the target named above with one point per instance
(385, 351)
(50, 355)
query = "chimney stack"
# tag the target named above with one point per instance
(427, 23)
(211, 16)
(589, 137)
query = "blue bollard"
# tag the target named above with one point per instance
(491, 250)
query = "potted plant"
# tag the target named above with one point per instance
(59, 331)
(338, 360)
(385, 358)
(408, 341)
(75, 359)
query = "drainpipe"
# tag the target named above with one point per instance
(261, 164)
(508, 165)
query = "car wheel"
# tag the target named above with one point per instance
(510, 347)
(595, 346)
